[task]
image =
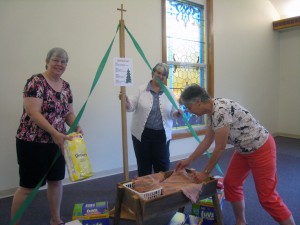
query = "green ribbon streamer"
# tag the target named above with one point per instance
(166, 91)
(33, 193)
(137, 46)
(97, 76)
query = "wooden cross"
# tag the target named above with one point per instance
(122, 10)
(123, 99)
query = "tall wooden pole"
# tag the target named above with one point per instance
(123, 99)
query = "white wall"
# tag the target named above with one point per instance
(85, 29)
(246, 66)
(247, 57)
(289, 103)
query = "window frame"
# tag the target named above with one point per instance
(210, 56)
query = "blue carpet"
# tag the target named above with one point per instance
(103, 189)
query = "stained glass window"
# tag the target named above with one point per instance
(186, 50)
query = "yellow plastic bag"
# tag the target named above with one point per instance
(78, 163)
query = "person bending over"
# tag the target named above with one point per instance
(255, 151)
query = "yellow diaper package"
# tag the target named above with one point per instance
(77, 160)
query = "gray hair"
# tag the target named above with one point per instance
(193, 93)
(59, 52)
(163, 65)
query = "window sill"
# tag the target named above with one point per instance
(176, 136)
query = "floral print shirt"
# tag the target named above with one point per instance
(55, 108)
(246, 134)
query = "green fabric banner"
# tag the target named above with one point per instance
(97, 76)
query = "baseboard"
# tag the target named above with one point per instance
(66, 181)
(7, 192)
(286, 135)
(10, 192)
(119, 170)
(100, 174)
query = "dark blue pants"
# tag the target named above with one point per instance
(152, 152)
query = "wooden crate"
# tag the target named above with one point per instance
(130, 206)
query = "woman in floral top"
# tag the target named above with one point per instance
(47, 106)
(230, 123)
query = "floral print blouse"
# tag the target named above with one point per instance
(55, 108)
(246, 134)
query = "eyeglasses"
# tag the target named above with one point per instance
(61, 61)
(190, 106)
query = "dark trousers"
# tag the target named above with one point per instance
(152, 152)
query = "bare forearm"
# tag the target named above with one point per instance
(212, 162)
(70, 119)
(221, 137)
(202, 147)
(41, 121)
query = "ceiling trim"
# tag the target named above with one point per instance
(288, 23)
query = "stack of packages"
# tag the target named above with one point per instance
(91, 213)
(77, 160)
(205, 208)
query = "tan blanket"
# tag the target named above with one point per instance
(178, 181)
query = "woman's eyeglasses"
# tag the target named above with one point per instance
(61, 61)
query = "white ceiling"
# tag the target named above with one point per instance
(287, 8)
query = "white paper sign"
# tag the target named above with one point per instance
(123, 72)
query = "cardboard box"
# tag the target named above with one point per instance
(205, 209)
(209, 202)
(103, 221)
(90, 211)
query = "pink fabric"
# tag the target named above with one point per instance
(185, 182)
(262, 164)
(192, 192)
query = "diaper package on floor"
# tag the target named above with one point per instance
(78, 163)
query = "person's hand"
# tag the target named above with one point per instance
(120, 96)
(127, 100)
(178, 113)
(201, 176)
(79, 130)
(182, 164)
(59, 139)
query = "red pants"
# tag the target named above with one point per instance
(262, 164)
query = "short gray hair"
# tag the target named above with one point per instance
(192, 93)
(60, 52)
(163, 65)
